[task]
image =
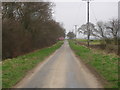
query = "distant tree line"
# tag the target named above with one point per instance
(71, 35)
(28, 26)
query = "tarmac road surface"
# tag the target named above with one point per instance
(61, 70)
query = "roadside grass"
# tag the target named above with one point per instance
(13, 70)
(105, 65)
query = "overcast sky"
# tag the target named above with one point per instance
(73, 12)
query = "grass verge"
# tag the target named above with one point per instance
(13, 70)
(105, 65)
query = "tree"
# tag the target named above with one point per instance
(113, 27)
(84, 30)
(28, 26)
(71, 35)
(100, 30)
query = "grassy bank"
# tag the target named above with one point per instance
(106, 46)
(105, 65)
(15, 69)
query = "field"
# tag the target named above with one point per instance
(15, 69)
(100, 45)
(92, 42)
(105, 64)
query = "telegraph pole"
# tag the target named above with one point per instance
(88, 3)
(75, 30)
(88, 21)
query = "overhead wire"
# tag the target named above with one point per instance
(92, 10)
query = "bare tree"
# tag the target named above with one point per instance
(83, 29)
(113, 27)
(101, 32)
